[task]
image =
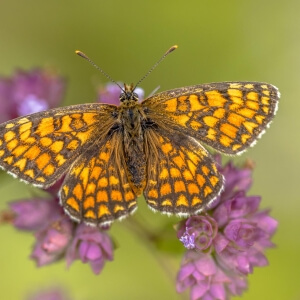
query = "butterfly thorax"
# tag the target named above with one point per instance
(133, 141)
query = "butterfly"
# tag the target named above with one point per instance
(111, 154)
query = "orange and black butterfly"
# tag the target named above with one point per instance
(112, 154)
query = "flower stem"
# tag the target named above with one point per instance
(143, 233)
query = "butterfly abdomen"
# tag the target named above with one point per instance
(134, 146)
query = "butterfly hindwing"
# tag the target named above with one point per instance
(228, 116)
(182, 177)
(97, 190)
(39, 148)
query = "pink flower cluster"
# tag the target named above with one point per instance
(58, 237)
(227, 243)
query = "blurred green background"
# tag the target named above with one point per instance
(218, 41)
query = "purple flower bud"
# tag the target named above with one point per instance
(241, 262)
(52, 241)
(31, 214)
(199, 232)
(268, 225)
(236, 179)
(242, 232)
(90, 245)
(236, 207)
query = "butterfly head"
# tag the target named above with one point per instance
(128, 93)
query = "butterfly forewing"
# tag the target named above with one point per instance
(228, 116)
(182, 177)
(97, 189)
(39, 148)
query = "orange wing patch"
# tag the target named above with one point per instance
(39, 148)
(182, 178)
(97, 190)
(221, 115)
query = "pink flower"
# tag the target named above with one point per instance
(198, 232)
(30, 214)
(90, 245)
(206, 279)
(52, 241)
(29, 92)
(246, 233)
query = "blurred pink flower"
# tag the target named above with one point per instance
(28, 92)
(92, 246)
(49, 294)
(30, 214)
(52, 241)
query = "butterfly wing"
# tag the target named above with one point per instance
(97, 190)
(228, 116)
(182, 178)
(39, 148)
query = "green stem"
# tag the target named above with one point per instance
(143, 233)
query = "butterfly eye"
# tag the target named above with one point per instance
(135, 96)
(122, 97)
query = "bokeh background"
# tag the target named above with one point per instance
(218, 41)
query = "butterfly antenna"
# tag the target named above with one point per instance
(155, 65)
(81, 54)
